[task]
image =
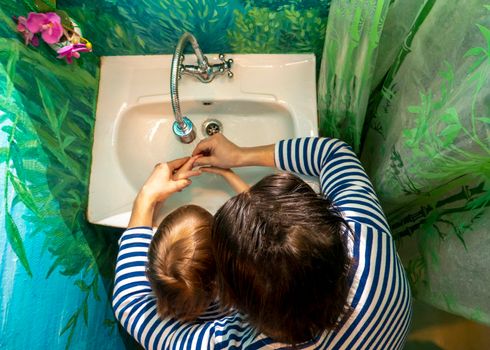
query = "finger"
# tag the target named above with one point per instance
(215, 170)
(203, 147)
(181, 184)
(189, 164)
(177, 163)
(186, 174)
(205, 161)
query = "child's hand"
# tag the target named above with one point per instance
(165, 180)
(186, 171)
(168, 178)
(233, 179)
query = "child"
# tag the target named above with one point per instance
(181, 267)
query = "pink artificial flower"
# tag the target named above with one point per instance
(48, 24)
(72, 50)
(29, 37)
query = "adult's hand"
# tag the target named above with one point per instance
(165, 180)
(218, 151)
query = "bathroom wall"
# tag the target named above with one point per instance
(56, 269)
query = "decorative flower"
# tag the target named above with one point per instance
(48, 24)
(66, 41)
(72, 50)
(29, 36)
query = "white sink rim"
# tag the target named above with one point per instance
(111, 195)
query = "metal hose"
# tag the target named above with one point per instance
(174, 74)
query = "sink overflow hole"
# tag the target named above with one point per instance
(211, 127)
(207, 103)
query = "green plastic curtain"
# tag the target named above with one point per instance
(406, 82)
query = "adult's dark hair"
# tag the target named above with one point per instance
(281, 258)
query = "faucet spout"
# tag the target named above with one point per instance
(203, 71)
(182, 127)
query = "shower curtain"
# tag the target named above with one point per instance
(406, 83)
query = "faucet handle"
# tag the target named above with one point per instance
(226, 64)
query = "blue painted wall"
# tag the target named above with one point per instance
(56, 269)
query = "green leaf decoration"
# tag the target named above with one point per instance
(3, 154)
(95, 289)
(451, 116)
(72, 321)
(30, 6)
(25, 195)
(486, 33)
(82, 285)
(414, 109)
(484, 120)
(475, 51)
(66, 21)
(85, 312)
(476, 64)
(49, 106)
(45, 5)
(15, 240)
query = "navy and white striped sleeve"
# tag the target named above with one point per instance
(135, 305)
(379, 293)
(342, 177)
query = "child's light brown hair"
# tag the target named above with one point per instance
(181, 267)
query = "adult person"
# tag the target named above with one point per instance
(378, 297)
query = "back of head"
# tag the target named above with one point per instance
(181, 267)
(281, 258)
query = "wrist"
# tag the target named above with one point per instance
(143, 209)
(148, 196)
(145, 197)
(257, 156)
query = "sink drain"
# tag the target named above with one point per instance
(211, 127)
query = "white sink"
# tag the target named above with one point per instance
(271, 97)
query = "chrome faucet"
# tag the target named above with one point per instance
(205, 72)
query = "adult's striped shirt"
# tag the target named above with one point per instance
(379, 293)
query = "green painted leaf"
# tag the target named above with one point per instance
(63, 113)
(450, 133)
(49, 106)
(484, 119)
(414, 109)
(68, 141)
(3, 154)
(30, 6)
(71, 323)
(65, 19)
(15, 240)
(53, 266)
(475, 51)
(7, 129)
(110, 323)
(23, 193)
(451, 116)
(95, 289)
(45, 5)
(476, 64)
(82, 285)
(85, 312)
(486, 32)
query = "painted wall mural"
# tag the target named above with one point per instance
(128, 27)
(406, 82)
(57, 269)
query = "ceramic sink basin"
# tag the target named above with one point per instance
(271, 97)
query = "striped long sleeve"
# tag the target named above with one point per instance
(379, 294)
